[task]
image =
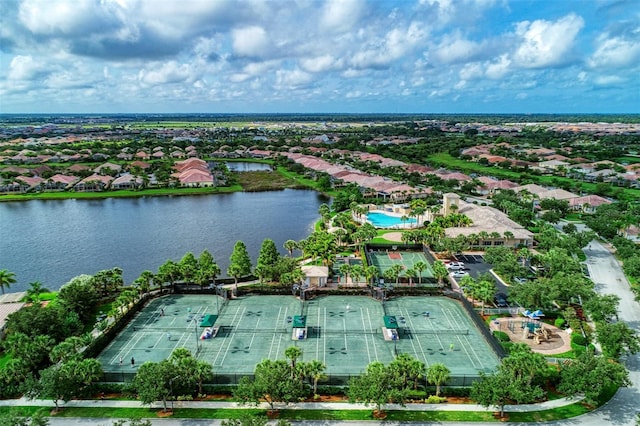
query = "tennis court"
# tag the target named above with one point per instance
(163, 325)
(346, 333)
(384, 260)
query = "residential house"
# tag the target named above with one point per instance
(127, 181)
(93, 183)
(104, 168)
(588, 203)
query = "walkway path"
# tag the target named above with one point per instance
(54, 421)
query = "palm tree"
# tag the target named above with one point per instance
(440, 271)
(438, 374)
(524, 254)
(345, 269)
(484, 291)
(290, 246)
(508, 235)
(293, 353)
(411, 273)
(394, 272)
(34, 291)
(6, 279)
(420, 267)
(315, 369)
(340, 233)
(357, 271)
(370, 273)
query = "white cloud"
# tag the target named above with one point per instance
(616, 52)
(167, 73)
(471, 71)
(292, 79)
(25, 68)
(250, 41)
(396, 44)
(320, 63)
(456, 49)
(608, 80)
(341, 15)
(500, 68)
(546, 43)
(66, 17)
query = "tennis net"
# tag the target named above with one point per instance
(458, 332)
(319, 331)
(148, 329)
(227, 329)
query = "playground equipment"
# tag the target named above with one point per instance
(535, 315)
(541, 334)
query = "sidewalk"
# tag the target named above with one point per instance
(326, 406)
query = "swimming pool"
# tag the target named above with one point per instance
(383, 220)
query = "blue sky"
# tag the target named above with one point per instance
(252, 56)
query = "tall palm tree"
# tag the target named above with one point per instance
(293, 353)
(370, 273)
(357, 271)
(345, 269)
(420, 267)
(438, 374)
(290, 246)
(6, 279)
(316, 369)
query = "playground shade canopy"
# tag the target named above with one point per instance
(208, 320)
(390, 322)
(299, 321)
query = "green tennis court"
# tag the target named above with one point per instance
(384, 260)
(346, 333)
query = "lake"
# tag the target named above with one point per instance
(54, 241)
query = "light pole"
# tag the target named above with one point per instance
(195, 325)
(217, 295)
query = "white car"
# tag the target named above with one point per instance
(459, 274)
(455, 266)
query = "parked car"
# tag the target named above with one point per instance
(519, 280)
(458, 274)
(501, 300)
(455, 266)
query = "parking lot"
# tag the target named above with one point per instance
(475, 266)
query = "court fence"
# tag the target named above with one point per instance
(480, 325)
(125, 376)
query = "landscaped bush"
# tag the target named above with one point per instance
(578, 339)
(506, 346)
(435, 399)
(330, 390)
(559, 322)
(455, 391)
(501, 336)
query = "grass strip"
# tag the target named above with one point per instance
(560, 413)
(122, 193)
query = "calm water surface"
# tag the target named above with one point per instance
(54, 241)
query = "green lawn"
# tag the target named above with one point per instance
(120, 194)
(366, 413)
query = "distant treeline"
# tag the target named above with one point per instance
(327, 117)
